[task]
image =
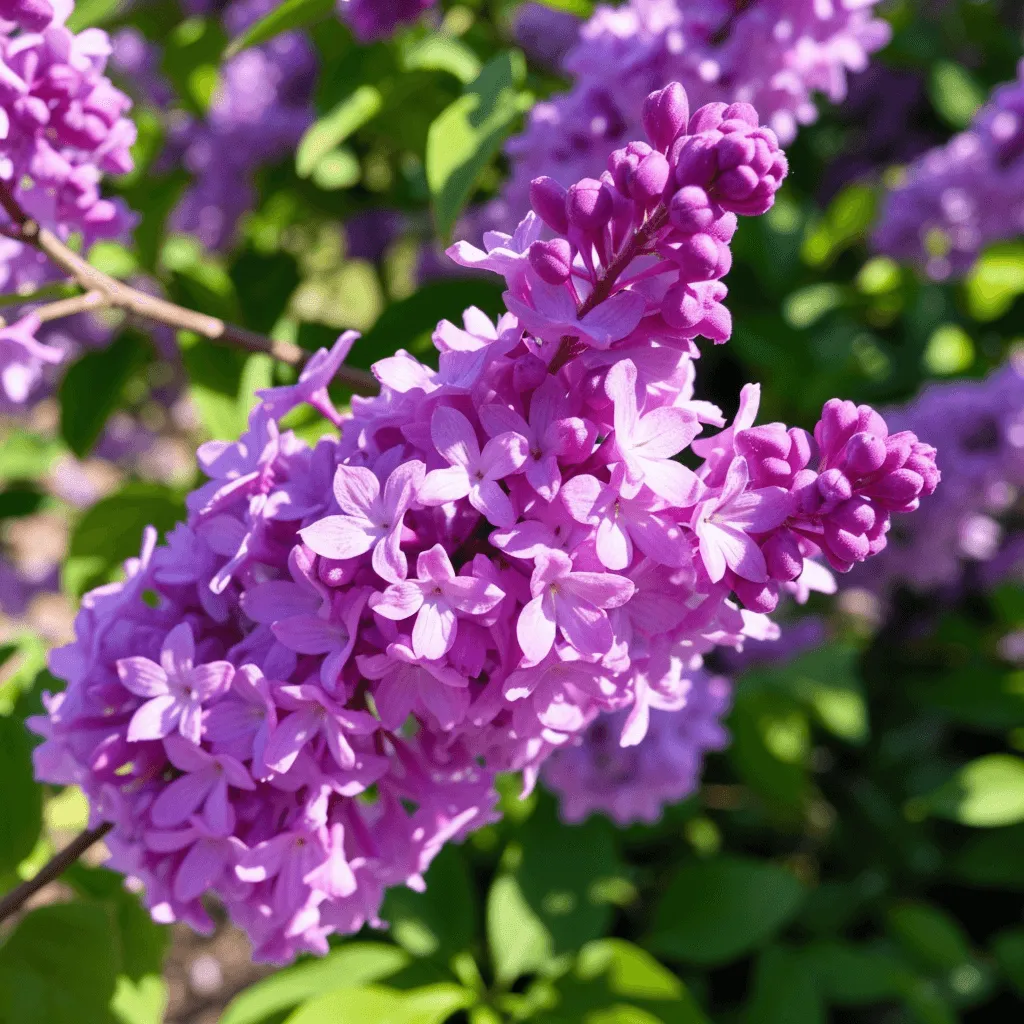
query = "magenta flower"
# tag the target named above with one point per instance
(623, 522)
(646, 443)
(313, 715)
(241, 725)
(551, 433)
(369, 519)
(175, 689)
(472, 473)
(572, 603)
(331, 632)
(723, 523)
(22, 358)
(434, 599)
(312, 383)
(210, 854)
(203, 788)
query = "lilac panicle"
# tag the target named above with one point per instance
(958, 198)
(774, 54)
(63, 126)
(478, 563)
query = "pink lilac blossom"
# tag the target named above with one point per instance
(62, 127)
(774, 54)
(971, 533)
(360, 633)
(378, 19)
(960, 197)
(633, 784)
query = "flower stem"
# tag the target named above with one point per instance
(13, 901)
(119, 295)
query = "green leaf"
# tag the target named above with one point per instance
(59, 967)
(440, 921)
(215, 376)
(111, 531)
(22, 659)
(987, 793)
(849, 975)
(443, 53)
(92, 389)
(995, 281)
(92, 13)
(25, 455)
(564, 874)
(613, 980)
(467, 135)
(714, 911)
(784, 992)
(828, 681)
(289, 15)
(332, 129)
(582, 8)
(954, 93)
(432, 1004)
(518, 941)
(993, 859)
(930, 935)
(351, 966)
(22, 800)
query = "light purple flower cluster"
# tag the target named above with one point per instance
(973, 528)
(378, 19)
(635, 782)
(262, 107)
(958, 198)
(774, 54)
(300, 697)
(62, 127)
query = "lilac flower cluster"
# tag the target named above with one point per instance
(774, 54)
(262, 107)
(975, 524)
(301, 696)
(959, 197)
(62, 127)
(635, 782)
(378, 19)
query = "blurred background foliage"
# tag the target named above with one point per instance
(857, 855)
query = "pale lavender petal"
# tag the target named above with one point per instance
(308, 634)
(209, 680)
(490, 500)
(500, 419)
(673, 481)
(199, 870)
(503, 455)
(156, 719)
(586, 498)
(340, 537)
(535, 629)
(356, 490)
(435, 564)
(389, 561)
(179, 649)
(603, 589)
(660, 540)
(179, 801)
(191, 724)
(277, 599)
(434, 631)
(585, 627)
(399, 601)
(471, 595)
(443, 485)
(614, 318)
(761, 510)
(290, 736)
(218, 811)
(664, 432)
(454, 437)
(614, 547)
(339, 746)
(142, 677)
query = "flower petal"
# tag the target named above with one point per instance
(536, 629)
(340, 537)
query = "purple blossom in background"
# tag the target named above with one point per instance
(774, 54)
(958, 198)
(63, 125)
(635, 784)
(974, 525)
(23, 360)
(378, 19)
(546, 34)
(262, 107)
(564, 565)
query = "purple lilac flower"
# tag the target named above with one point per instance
(262, 107)
(632, 784)
(970, 528)
(774, 54)
(63, 126)
(959, 197)
(378, 19)
(546, 34)
(566, 566)
(23, 360)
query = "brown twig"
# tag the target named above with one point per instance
(87, 303)
(13, 901)
(119, 295)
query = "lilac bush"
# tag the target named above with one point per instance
(378, 19)
(307, 690)
(957, 198)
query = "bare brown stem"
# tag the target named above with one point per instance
(13, 901)
(118, 295)
(87, 303)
